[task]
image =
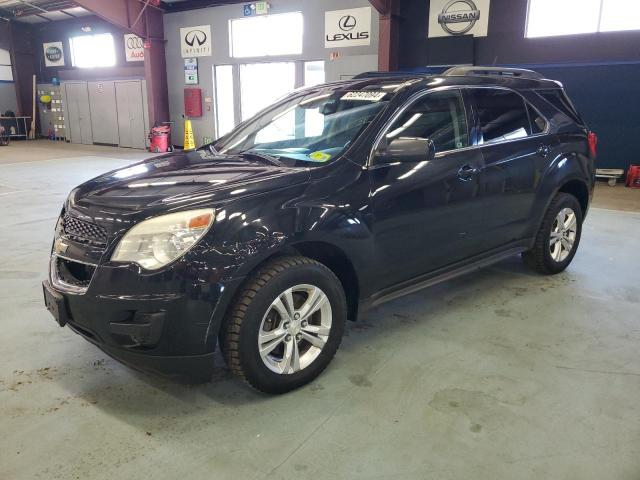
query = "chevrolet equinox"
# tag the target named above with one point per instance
(333, 200)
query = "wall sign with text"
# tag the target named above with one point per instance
(53, 54)
(191, 71)
(195, 41)
(347, 28)
(133, 48)
(458, 17)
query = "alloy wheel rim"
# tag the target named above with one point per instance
(295, 329)
(563, 235)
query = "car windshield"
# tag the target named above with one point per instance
(307, 129)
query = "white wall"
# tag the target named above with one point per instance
(352, 59)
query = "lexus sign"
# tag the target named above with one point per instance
(458, 17)
(195, 41)
(347, 28)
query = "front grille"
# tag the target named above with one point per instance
(74, 273)
(83, 232)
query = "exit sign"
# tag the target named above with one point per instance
(256, 8)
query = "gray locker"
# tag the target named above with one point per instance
(131, 121)
(104, 116)
(78, 113)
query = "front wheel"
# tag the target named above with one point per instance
(558, 238)
(286, 325)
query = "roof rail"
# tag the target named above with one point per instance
(374, 74)
(498, 71)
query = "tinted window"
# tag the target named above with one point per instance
(538, 122)
(559, 100)
(438, 116)
(502, 115)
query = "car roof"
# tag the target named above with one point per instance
(403, 81)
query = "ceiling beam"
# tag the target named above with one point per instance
(119, 13)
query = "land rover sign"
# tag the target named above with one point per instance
(458, 17)
(53, 54)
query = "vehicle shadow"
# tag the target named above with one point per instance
(146, 398)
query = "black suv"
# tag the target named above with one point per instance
(335, 199)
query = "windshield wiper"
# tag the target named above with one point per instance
(271, 159)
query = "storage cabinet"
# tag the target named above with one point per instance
(78, 113)
(111, 112)
(104, 118)
(131, 125)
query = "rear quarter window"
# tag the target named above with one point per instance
(559, 100)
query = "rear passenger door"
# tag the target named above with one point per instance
(511, 135)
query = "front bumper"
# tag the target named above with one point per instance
(166, 322)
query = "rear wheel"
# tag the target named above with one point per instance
(286, 325)
(558, 238)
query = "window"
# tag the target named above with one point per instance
(261, 84)
(552, 17)
(89, 51)
(225, 112)
(502, 115)
(439, 117)
(283, 132)
(561, 102)
(537, 121)
(6, 74)
(267, 35)
(313, 73)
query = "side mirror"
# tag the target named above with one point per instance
(406, 149)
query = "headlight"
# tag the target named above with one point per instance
(158, 241)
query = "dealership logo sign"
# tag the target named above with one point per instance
(458, 17)
(347, 23)
(53, 54)
(133, 48)
(196, 41)
(348, 28)
(465, 19)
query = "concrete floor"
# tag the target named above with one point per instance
(502, 374)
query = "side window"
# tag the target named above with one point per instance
(439, 117)
(561, 102)
(502, 115)
(538, 122)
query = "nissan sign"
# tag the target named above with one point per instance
(195, 41)
(458, 17)
(348, 28)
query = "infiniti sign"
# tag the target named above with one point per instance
(195, 41)
(195, 36)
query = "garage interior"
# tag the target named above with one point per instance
(498, 374)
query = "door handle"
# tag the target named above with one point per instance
(466, 172)
(544, 151)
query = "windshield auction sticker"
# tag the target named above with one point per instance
(364, 96)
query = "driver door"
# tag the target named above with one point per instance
(425, 209)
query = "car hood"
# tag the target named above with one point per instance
(181, 180)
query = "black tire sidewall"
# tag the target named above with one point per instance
(257, 373)
(564, 201)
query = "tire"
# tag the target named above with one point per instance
(253, 319)
(542, 257)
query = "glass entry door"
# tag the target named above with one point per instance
(242, 90)
(261, 84)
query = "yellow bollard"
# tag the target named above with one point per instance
(189, 142)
